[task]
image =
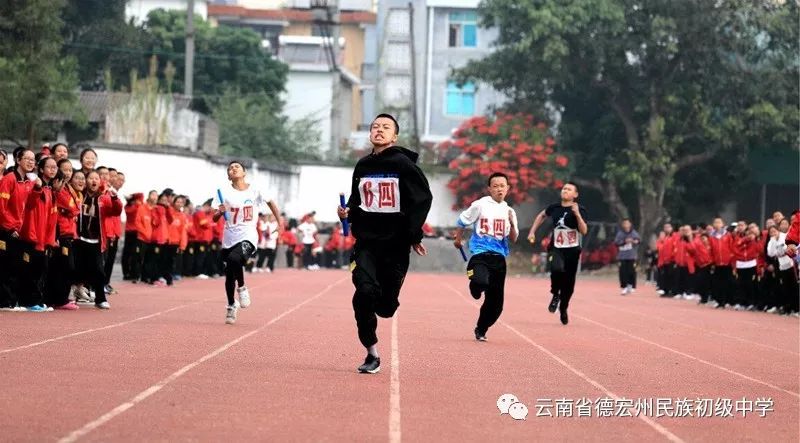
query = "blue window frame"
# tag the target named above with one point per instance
(463, 29)
(460, 101)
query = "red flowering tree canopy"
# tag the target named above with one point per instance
(510, 143)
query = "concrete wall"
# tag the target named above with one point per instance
(296, 189)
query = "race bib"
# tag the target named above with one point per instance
(380, 194)
(565, 238)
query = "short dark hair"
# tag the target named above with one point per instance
(625, 219)
(53, 148)
(236, 162)
(101, 167)
(573, 184)
(111, 170)
(390, 117)
(495, 175)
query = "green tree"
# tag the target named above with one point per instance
(35, 79)
(648, 89)
(252, 125)
(100, 39)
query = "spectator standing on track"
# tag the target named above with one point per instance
(569, 220)
(627, 241)
(240, 236)
(389, 201)
(493, 224)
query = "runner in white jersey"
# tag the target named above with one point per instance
(240, 206)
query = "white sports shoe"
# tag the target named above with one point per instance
(230, 313)
(244, 297)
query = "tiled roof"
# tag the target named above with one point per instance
(286, 14)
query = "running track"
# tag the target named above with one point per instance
(163, 366)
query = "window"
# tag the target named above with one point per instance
(460, 101)
(397, 56)
(463, 30)
(397, 23)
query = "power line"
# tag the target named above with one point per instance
(213, 56)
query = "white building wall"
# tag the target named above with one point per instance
(306, 188)
(310, 94)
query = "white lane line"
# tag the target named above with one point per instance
(691, 357)
(685, 325)
(394, 392)
(660, 429)
(108, 416)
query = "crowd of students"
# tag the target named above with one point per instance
(61, 228)
(740, 266)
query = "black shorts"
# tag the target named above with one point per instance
(238, 254)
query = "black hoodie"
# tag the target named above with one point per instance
(397, 198)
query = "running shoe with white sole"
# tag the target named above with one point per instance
(244, 297)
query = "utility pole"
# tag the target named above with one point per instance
(413, 74)
(188, 77)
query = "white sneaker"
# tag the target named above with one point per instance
(677, 296)
(202, 277)
(712, 304)
(625, 291)
(631, 290)
(244, 297)
(268, 270)
(230, 313)
(772, 310)
(660, 292)
(103, 305)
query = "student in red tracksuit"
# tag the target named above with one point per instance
(38, 234)
(745, 250)
(14, 190)
(289, 238)
(703, 262)
(184, 243)
(666, 262)
(214, 266)
(793, 235)
(175, 229)
(684, 264)
(91, 243)
(61, 272)
(113, 230)
(161, 221)
(130, 247)
(191, 240)
(723, 285)
(144, 236)
(203, 229)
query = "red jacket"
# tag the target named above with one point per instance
(745, 249)
(130, 216)
(203, 226)
(113, 225)
(218, 229)
(683, 254)
(793, 236)
(161, 222)
(335, 241)
(14, 191)
(68, 206)
(39, 224)
(144, 223)
(666, 249)
(702, 253)
(176, 228)
(721, 249)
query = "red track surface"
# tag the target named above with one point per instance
(163, 366)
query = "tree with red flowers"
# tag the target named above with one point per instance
(514, 144)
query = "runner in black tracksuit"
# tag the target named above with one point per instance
(569, 220)
(389, 202)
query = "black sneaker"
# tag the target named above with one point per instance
(564, 318)
(475, 291)
(480, 336)
(371, 365)
(553, 304)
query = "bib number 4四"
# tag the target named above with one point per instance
(565, 238)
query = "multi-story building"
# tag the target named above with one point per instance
(290, 31)
(441, 35)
